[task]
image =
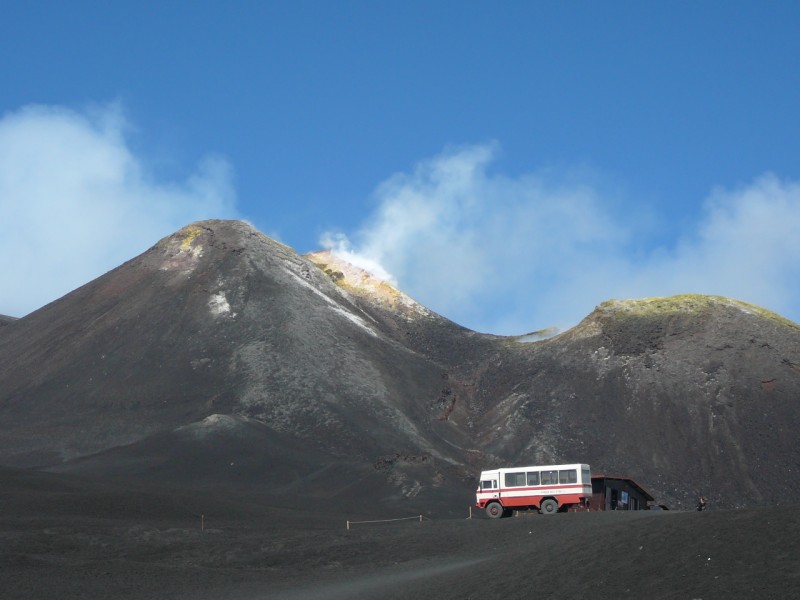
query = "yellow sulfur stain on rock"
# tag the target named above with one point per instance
(356, 280)
(180, 252)
(191, 234)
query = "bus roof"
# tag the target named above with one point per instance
(539, 468)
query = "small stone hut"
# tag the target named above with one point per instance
(618, 493)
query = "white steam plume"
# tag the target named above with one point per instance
(514, 254)
(75, 201)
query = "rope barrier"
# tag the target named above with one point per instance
(420, 517)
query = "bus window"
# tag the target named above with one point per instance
(586, 476)
(533, 478)
(568, 476)
(488, 484)
(549, 477)
(515, 479)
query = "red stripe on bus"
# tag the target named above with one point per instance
(533, 488)
(510, 501)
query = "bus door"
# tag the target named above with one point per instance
(490, 486)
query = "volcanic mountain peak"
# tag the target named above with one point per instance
(361, 282)
(689, 304)
(300, 360)
(645, 321)
(664, 306)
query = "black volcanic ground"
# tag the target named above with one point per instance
(75, 538)
(221, 374)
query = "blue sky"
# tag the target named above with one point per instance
(508, 164)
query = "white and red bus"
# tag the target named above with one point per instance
(546, 488)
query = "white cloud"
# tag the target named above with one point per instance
(747, 246)
(75, 201)
(509, 255)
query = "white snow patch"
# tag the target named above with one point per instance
(355, 319)
(218, 304)
(209, 425)
(218, 422)
(335, 307)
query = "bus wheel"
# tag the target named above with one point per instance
(549, 507)
(494, 510)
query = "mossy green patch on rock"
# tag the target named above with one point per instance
(687, 303)
(656, 309)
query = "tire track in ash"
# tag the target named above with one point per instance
(379, 585)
